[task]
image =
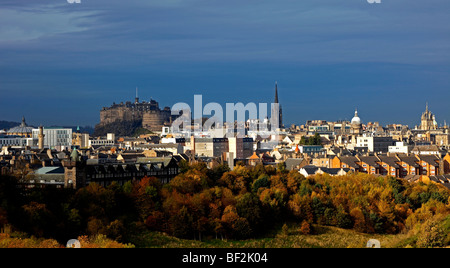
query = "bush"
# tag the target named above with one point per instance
(431, 234)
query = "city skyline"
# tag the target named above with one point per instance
(415, 120)
(61, 63)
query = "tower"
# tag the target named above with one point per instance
(41, 138)
(136, 100)
(280, 110)
(428, 120)
(356, 125)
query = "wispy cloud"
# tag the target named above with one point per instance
(20, 23)
(103, 46)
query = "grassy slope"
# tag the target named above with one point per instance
(324, 237)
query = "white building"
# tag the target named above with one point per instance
(100, 142)
(55, 137)
(375, 144)
(401, 148)
(110, 141)
(16, 141)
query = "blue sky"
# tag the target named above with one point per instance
(60, 63)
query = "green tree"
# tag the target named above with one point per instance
(261, 182)
(182, 223)
(248, 206)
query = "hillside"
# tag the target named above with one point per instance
(248, 207)
(119, 128)
(8, 124)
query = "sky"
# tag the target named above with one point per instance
(60, 63)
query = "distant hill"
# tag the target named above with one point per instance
(8, 124)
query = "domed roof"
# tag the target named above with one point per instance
(356, 120)
(22, 128)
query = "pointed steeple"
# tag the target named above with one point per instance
(276, 92)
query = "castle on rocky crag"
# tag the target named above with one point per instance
(152, 117)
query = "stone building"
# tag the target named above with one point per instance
(152, 117)
(428, 120)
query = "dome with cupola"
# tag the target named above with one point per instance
(356, 120)
(22, 130)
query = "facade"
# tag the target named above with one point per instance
(78, 174)
(310, 149)
(409, 165)
(240, 147)
(345, 162)
(429, 165)
(442, 139)
(375, 144)
(81, 140)
(109, 141)
(14, 140)
(400, 147)
(389, 166)
(211, 147)
(397, 165)
(369, 164)
(55, 137)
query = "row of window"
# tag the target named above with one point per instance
(18, 142)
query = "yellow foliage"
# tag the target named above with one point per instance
(6, 241)
(100, 241)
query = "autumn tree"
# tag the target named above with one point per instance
(147, 196)
(234, 225)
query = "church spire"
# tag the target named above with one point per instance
(276, 92)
